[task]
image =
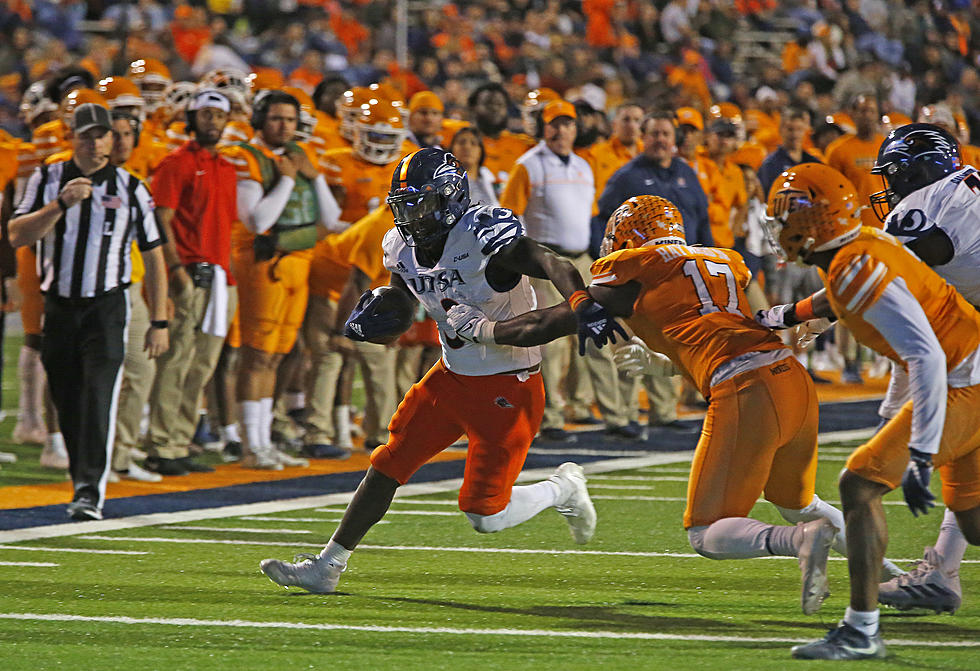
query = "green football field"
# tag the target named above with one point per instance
(426, 592)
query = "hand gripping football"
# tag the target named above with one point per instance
(380, 316)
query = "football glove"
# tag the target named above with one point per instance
(471, 324)
(366, 323)
(810, 329)
(596, 324)
(776, 317)
(915, 483)
(636, 359)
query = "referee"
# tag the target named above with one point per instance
(83, 214)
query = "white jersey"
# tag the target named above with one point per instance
(953, 205)
(460, 275)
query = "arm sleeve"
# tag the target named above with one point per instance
(327, 205)
(31, 199)
(148, 233)
(899, 318)
(257, 212)
(517, 190)
(897, 394)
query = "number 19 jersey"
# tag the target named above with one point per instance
(460, 275)
(691, 306)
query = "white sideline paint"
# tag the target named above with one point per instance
(648, 636)
(32, 548)
(639, 478)
(666, 478)
(39, 564)
(243, 530)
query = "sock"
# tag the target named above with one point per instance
(56, 443)
(31, 387)
(229, 434)
(739, 538)
(295, 400)
(815, 510)
(864, 621)
(266, 416)
(335, 553)
(951, 543)
(526, 501)
(342, 424)
(251, 421)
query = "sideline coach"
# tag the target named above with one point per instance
(83, 214)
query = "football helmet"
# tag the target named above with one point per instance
(152, 77)
(429, 194)
(811, 208)
(307, 113)
(232, 83)
(35, 103)
(385, 91)
(643, 220)
(910, 158)
(893, 120)
(122, 93)
(80, 97)
(264, 78)
(380, 131)
(176, 97)
(349, 109)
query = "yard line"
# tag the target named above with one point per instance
(586, 452)
(666, 478)
(39, 564)
(322, 626)
(260, 518)
(414, 502)
(438, 513)
(641, 478)
(244, 530)
(83, 550)
(609, 497)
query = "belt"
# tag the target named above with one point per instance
(201, 273)
(561, 251)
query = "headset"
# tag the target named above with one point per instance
(266, 99)
(134, 123)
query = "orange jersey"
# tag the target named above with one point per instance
(155, 129)
(146, 156)
(691, 306)
(502, 153)
(854, 158)
(176, 136)
(49, 138)
(8, 164)
(731, 194)
(364, 184)
(859, 274)
(360, 247)
(32, 300)
(970, 155)
(237, 131)
(28, 158)
(606, 157)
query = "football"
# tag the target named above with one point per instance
(393, 312)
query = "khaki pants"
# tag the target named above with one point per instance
(663, 394)
(378, 373)
(182, 373)
(325, 365)
(597, 364)
(411, 363)
(138, 373)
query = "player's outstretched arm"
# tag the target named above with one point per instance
(816, 306)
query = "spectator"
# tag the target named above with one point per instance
(467, 146)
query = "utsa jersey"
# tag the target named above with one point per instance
(953, 205)
(691, 306)
(460, 275)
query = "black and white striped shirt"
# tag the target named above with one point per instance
(88, 252)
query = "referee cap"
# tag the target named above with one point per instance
(90, 115)
(209, 98)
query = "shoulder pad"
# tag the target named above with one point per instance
(494, 227)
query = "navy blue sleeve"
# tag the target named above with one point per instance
(700, 232)
(615, 193)
(767, 174)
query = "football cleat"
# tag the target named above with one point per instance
(818, 536)
(309, 571)
(289, 460)
(844, 642)
(577, 507)
(926, 586)
(263, 460)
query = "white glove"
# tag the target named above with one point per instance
(810, 329)
(774, 317)
(636, 360)
(471, 324)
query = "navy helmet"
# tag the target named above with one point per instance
(429, 194)
(911, 157)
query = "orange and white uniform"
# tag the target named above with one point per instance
(49, 138)
(501, 153)
(760, 433)
(854, 158)
(898, 306)
(177, 135)
(237, 131)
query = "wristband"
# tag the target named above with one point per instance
(804, 309)
(578, 298)
(62, 205)
(159, 324)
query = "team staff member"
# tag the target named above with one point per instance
(195, 193)
(284, 206)
(552, 189)
(85, 212)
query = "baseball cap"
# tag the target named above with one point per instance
(425, 99)
(557, 108)
(690, 117)
(90, 115)
(209, 98)
(723, 127)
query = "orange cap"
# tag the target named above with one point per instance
(690, 117)
(425, 99)
(557, 108)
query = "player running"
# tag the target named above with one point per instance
(442, 251)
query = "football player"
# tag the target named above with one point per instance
(895, 304)
(443, 251)
(760, 432)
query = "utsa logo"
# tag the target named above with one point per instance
(445, 279)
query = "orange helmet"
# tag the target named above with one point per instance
(534, 102)
(729, 111)
(152, 77)
(265, 78)
(640, 221)
(80, 97)
(811, 208)
(380, 131)
(307, 113)
(350, 110)
(843, 121)
(893, 120)
(122, 92)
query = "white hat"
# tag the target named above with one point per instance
(209, 98)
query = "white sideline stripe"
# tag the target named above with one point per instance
(586, 452)
(31, 548)
(608, 497)
(647, 636)
(341, 498)
(439, 513)
(243, 530)
(414, 502)
(39, 564)
(640, 478)
(666, 478)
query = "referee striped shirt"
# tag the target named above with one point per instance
(88, 252)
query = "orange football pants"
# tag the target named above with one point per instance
(499, 414)
(32, 300)
(759, 436)
(272, 299)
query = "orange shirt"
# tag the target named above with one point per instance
(854, 157)
(8, 164)
(146, 156)
(970, 155)
(358, 247)
(730, 195)
(709, 176)
(49, 138)
(691, 306)
(606, 157)
(502, 153)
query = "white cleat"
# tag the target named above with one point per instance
(266, 460)
(309, 572)
(140, 474)
(289, 460)
(927, 586)
(818, 536)
(577, 508)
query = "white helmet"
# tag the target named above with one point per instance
(232, 83)
(35, 103)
